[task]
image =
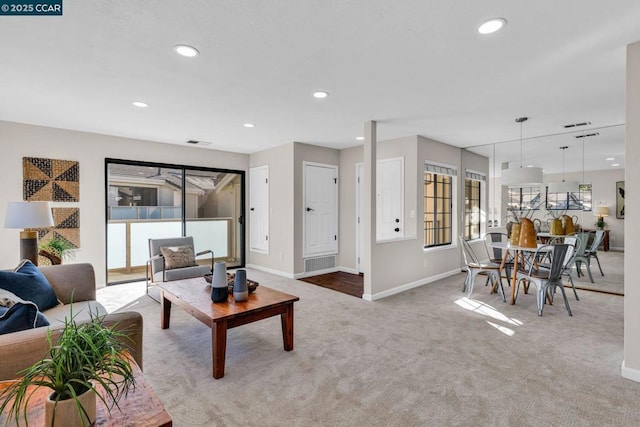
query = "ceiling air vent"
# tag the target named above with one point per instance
(575, 125)
(587, 135)
(201, 143)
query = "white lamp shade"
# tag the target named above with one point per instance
(601, 211)
(564, 187)
(28, 215)
(521, 177)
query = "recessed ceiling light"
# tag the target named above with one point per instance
(615, 164)
(185, 50)
(320, 94)
(360, 138)
(249, 125)
(492, 25)
(529, 166)
(140, 104)
(610, 158)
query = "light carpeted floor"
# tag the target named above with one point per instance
(426, 357)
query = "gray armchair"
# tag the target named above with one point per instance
(159, 271)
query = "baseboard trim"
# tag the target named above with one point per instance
(348, 270)
(315, 273)
(408, 286)
(271, 270)
(630, 373)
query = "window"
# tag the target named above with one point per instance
(570, 201)
(472, 196)
(523, 198)
(438, 205)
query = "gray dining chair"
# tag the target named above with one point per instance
(593, 250)
(547, 279)
(582, 256)
(496, 255)
(475, 267)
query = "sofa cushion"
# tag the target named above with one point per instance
(81, 311)
(20, 317)
(27, 282)
(178, 256)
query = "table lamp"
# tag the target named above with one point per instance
(28, 215)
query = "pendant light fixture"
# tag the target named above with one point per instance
(522, 177)
(563, 186)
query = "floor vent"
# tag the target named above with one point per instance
(320, 263)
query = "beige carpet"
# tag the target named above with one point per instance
(613, 268)
(425, 357)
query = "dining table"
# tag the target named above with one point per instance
(519, 253)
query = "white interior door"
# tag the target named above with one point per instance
(259, 209)
(390, 199)
(320, 209)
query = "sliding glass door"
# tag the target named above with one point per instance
(148, 200)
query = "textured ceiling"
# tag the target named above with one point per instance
(415, 66)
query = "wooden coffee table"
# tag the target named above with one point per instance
(141, 407)
(194, 297)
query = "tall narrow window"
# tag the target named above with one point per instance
(472, 197)
(438, 205)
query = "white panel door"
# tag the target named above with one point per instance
(359, 213)
(259, 209)
(390, 199)
(320, 210)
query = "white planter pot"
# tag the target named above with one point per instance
(66, 411)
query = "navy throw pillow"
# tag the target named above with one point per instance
(41, 319)
(18, 318)
(29, 283)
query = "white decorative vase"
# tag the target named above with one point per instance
(66, 411)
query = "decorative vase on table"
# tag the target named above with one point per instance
(515, 234)
(567, 224)
(66, 411)
(528, 238)
(219, 287)
(240, 290)
(555, 227)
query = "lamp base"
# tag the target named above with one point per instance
(29, 246)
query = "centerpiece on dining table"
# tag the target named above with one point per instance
(523, 231)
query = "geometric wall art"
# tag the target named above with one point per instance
(66, 226)
(50, 180)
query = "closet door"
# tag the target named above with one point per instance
(259, 209)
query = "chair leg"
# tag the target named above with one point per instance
(541, 293)
(595, 255)
(589, 270)
(574, 287)
(566, 301)
(499, 280)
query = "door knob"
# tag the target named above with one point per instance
(253, 209)
(397, 219)
(309, 209)
(397, 230)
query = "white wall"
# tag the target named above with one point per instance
(90, 150)
(631, 363)
(281, 249)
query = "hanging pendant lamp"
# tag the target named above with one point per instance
(563, 186)
(522, 177)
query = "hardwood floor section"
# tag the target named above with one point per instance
(347, 283)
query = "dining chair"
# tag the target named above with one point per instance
(475, 267)
(546, 279)
(572, 252)
(582, 255)
(593, 250)
(495, 255)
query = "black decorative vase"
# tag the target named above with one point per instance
(219, 287)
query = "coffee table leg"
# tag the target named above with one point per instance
(165, 313)
(286, 319)
(218, 347)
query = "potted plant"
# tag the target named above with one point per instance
(84, 357)
(600, 223)
(55, 249)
